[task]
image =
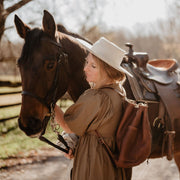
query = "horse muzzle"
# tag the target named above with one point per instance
(32, 128)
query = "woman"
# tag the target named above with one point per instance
(97, 109)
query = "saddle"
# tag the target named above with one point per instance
(159, 82)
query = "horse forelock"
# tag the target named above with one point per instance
(32, 42)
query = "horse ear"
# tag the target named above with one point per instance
(49, 25)
(21, 28)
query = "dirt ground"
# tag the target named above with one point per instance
(50, 164)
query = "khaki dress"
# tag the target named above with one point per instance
(96, 109)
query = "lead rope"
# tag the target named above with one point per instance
(55, 128)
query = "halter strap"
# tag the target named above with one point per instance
(41, 100)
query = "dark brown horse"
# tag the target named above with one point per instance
(44, 70)
(51, 63)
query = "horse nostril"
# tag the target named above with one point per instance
(32, 127)
(35, 124)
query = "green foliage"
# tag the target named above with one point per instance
(16, 141)
(8, 126)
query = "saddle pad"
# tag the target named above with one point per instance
(170, 100)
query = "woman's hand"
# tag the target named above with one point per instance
(59, 118)
(69, 155)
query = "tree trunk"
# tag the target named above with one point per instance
(5, 12)
(2, 20)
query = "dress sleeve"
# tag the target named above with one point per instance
(80, 115)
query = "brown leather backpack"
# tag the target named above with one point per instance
(133, 137)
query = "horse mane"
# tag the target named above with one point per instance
(62, 29)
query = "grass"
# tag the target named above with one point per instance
(14, 142)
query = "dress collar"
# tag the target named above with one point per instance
(113, 85)
(116, 86)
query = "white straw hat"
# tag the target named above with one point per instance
(107, 52)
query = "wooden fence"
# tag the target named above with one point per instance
(5, 95)
(62, 103)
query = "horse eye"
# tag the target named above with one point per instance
(49, 65)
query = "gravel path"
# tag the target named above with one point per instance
(57, 167)
(156, 169)
(53, 168)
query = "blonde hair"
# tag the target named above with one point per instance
(111, 72)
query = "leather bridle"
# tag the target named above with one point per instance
(51, 94)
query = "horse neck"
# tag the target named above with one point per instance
(76, 88)
(76, 83)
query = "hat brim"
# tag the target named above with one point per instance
(88, 47)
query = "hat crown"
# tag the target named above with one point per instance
(107, 52)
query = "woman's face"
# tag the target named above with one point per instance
(94, 72)
(92, 69)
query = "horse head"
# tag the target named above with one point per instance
(45, 70)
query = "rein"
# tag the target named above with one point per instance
(51, 105)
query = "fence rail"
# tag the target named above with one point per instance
(11, 104)
(9, 84)
(9, 118)
(8, 93)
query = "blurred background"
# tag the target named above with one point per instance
(151, 26)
